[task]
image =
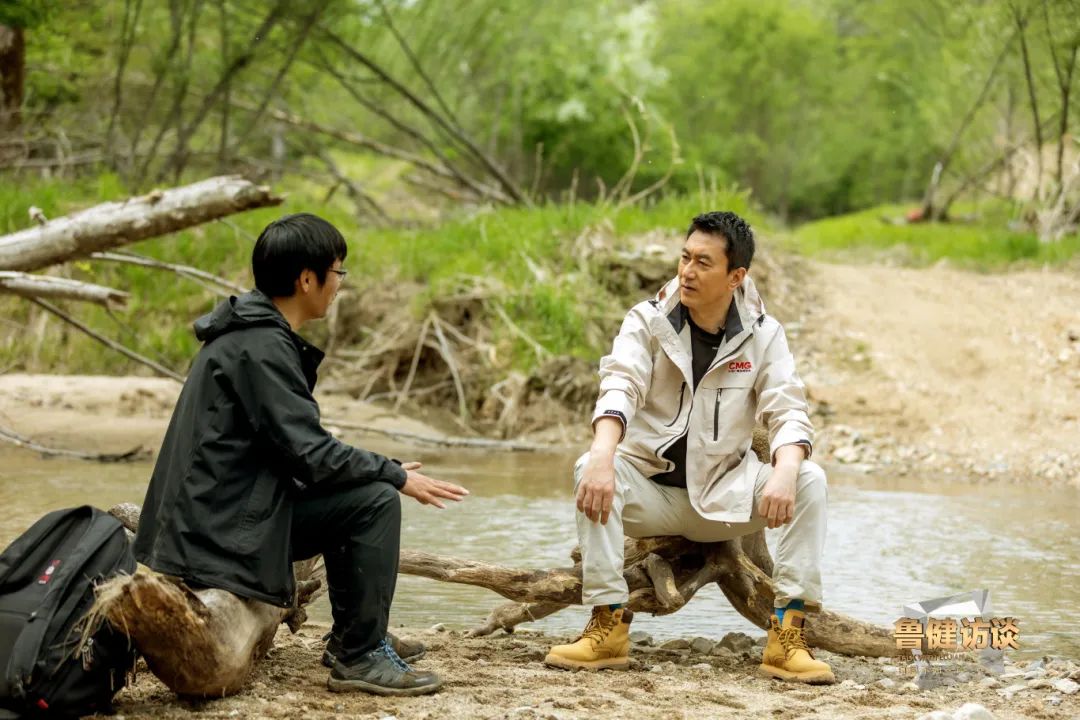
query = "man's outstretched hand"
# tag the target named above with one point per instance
(429, 491)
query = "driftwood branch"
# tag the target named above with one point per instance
(13, 438)
(692, 566)
(58, 288)
(446, 441)
(119, 223)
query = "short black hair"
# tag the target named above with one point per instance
(726, 224)
(290, 245)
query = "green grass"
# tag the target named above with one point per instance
(984, 242)
(529, 256)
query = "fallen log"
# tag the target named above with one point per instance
(200, 642)
(113, 224)
(58, 288)
(662, 574)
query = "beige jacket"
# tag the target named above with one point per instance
(647, 382)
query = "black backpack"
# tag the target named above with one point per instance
(47, 579)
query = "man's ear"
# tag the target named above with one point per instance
(303, 282)
(736, 277)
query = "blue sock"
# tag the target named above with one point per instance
(792, 605)
(614, 606)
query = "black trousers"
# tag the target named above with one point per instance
(357, 528)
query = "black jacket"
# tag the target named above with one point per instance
(244, 437)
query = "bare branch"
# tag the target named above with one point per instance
(112, 344)
(127, 40)
(13, 438)
(58, 288)
(295, 45)
(954, 144)
(182, 270)
(453, 130)
(415, 62)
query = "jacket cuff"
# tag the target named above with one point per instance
(394, 473)
(614, 403)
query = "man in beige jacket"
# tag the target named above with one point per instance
(690, 373)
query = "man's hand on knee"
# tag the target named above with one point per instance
(596, 492)
(777, 504)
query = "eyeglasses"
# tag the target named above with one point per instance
(341, 273)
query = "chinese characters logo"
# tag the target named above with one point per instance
(948, 635)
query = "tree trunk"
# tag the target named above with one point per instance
(114, 224)
(199, 642)
(12, 76)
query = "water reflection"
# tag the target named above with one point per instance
(890, 541)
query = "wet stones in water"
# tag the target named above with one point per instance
(676, 644)
(640, 637)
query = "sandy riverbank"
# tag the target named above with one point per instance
(502, 676)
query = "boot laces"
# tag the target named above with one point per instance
(792, 639)
(596, 629)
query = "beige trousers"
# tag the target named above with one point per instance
(642, 508)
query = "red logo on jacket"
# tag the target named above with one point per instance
(740, 367)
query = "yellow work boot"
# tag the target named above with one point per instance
(603, 645)
(786, 656)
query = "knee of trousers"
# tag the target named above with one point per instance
(380, 499)
(812, 486)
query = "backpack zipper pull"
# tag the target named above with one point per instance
(88, 654)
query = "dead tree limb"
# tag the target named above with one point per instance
(199, 642)
(537, 593)
(13, 438)
(112, 344)
(130, 258)
(119, 223)
(446, 441)
(58, 288)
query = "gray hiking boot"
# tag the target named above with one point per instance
(407, 650)
(382, 672)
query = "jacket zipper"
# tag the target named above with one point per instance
(716, 416)
(682, 394)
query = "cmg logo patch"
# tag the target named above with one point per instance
(740, 367)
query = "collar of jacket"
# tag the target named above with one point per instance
(746, 312)
(310, 356)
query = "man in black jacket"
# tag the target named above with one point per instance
(248, 480)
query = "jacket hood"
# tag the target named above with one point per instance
(244, 311)
(747, 296)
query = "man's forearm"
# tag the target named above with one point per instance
(607, 433)
(790, 455)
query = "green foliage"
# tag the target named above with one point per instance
(24, 13)
(530, 257)
(985, 243)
